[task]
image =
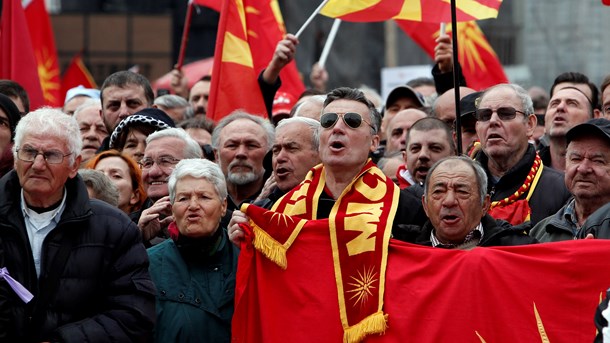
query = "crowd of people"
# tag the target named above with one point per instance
(120, 216)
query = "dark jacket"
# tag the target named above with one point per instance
(444, 81)
(493, 234)
(268, 202)
(554, 228)
(549, 196)
(195, 290)
(600, 321)
(598, 223)
(103, 291)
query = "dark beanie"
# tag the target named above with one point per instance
(152, 117)
(12, 112)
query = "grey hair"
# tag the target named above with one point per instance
(526, 100)
(313, 124)
(191, 149)
(171, 101)
(479, 172)
(319, 99)
(50, 122)
(199, 169)
(240, 114)
(103, 189)
(88, 103)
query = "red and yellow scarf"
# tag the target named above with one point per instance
(360, 225)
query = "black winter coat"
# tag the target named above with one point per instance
(103, 291)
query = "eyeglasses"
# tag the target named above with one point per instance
(351, 119)
(28, 154)
(163, 162)
(504, 113)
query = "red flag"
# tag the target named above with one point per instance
(43, 42)
(478, 60)
(75, 75)
(247, 35)
(606, 2)
(537, 293)
(17, 59)
(417, 10)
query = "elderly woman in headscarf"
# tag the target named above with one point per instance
(194, 270)
(9, 117)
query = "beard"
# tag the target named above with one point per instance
(241, 179)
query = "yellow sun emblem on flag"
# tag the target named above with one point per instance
(363, 285)
(48, 74)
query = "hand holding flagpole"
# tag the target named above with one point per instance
(298, 34)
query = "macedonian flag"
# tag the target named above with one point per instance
(537, 293)
(417, 10)
(43, 42)
(479, 62)
(247, 35)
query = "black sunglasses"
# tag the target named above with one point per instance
(351, 119)
(504, 113)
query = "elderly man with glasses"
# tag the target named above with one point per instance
(81, 265)
(521, 188)
(164, 149)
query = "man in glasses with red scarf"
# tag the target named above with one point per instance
(521, 188)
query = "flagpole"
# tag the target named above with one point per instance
(185, 35)
(456, 80)
(329, 42)
(310, 18)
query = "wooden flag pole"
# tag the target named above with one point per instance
(329, 42)
(298, 34)
(456, 80)
(185, 35)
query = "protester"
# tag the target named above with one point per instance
(83, 260)
(194, 271)
(123, 94)
(588, 179)
(17, 94)
(521, 188)
(126, 175)
(130, 135)
(468, 121)
(240, 142)
(176, 107)
(92, 128)
(295, 152)
(605, 98)
(456, 202)
(164, 149)
(311, 107)
(76, 96)
(444, 106)
(398, 128)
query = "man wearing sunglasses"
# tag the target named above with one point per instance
(348, 133)
(521, 188)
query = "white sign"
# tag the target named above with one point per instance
(398, 76)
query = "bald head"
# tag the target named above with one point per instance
(444, 106)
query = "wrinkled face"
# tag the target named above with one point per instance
(343, 148)
(587, 173)
(119, 103)
(452, 201)
(502, 139)
(5, 131)
(198, 97)
(567, 108)
(424, 149)
(241, 149)
(135, 144)
(117, 171)
(197, 208)
(155, 178)
(92, 131)
(399, 126)
(43, 182)
(293, 155)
